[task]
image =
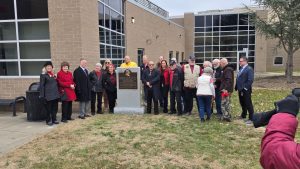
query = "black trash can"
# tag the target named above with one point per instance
(35, 108)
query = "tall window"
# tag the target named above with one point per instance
(111, 31)
(219, 36)
(170, 56)
(24, 37)
(140, 54)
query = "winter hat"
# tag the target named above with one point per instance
(288, 105)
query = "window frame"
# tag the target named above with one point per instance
(16, 21)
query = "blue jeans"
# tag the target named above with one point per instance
(204, 106)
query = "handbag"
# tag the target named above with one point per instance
(63, 96)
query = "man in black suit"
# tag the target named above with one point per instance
(151, 80)
(245, 78)
(144, 67)
(82, 88)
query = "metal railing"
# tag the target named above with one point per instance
(148, 4)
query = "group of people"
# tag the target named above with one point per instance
(83, 86)
(212, 83)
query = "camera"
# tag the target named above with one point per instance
(262, 119)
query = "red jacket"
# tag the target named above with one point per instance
(65, 79)
(278, 149)
(166, 74)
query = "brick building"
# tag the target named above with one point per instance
(35, 31)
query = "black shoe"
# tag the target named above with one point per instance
(171, 113)
(93, 113)
(202, 120)
(207, 118)
(165, 111)
(71, 119)
(227, 119)
(86, 115)
(55, 122)
(64, 121)
(81, 117)
(179, 114)
(49, 123)
(99, 112)
(156, 113)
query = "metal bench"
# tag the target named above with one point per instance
(12, 103)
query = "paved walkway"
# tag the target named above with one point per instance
(16, 131)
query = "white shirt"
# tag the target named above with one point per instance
(205, 85)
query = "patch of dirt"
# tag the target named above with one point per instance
(276, 82)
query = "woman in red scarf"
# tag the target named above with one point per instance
(66, 86)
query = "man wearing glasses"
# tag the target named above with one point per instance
(151, 80)
(243, 85)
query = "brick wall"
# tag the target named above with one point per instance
(153, 33)
(73, 26)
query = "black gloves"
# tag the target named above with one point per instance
(288, 105)
(262, 119)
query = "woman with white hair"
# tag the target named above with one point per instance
(207, 64)
(205, 93)
(96, 78)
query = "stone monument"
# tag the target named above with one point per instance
(129, 91)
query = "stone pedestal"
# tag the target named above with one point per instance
(129, 91)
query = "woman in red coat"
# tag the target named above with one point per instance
(67, 85)
(165, 83)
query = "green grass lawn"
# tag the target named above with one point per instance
(163, 141)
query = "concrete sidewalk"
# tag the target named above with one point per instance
(17, 131)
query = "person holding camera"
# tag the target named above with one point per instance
(278, 148)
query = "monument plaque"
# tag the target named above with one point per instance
(128, 80)
(129, 91)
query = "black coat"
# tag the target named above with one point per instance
(227, 79)
(97, 85)
(143, 68)
(108, 85)
(218, 75)
(48, 87)
(154, 80)
(83, 85)
(177, 80)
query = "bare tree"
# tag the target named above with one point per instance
(282, 23)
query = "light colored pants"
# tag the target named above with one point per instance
(84, 108)
(226, 107)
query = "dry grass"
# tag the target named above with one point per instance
(121, 141)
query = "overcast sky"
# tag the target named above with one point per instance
(178, 7)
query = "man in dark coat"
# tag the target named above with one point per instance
(143, 68)
(226, 87)
(176, 85)
(244, 80)
(82, 88)
(151, 80)
(217, 77)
